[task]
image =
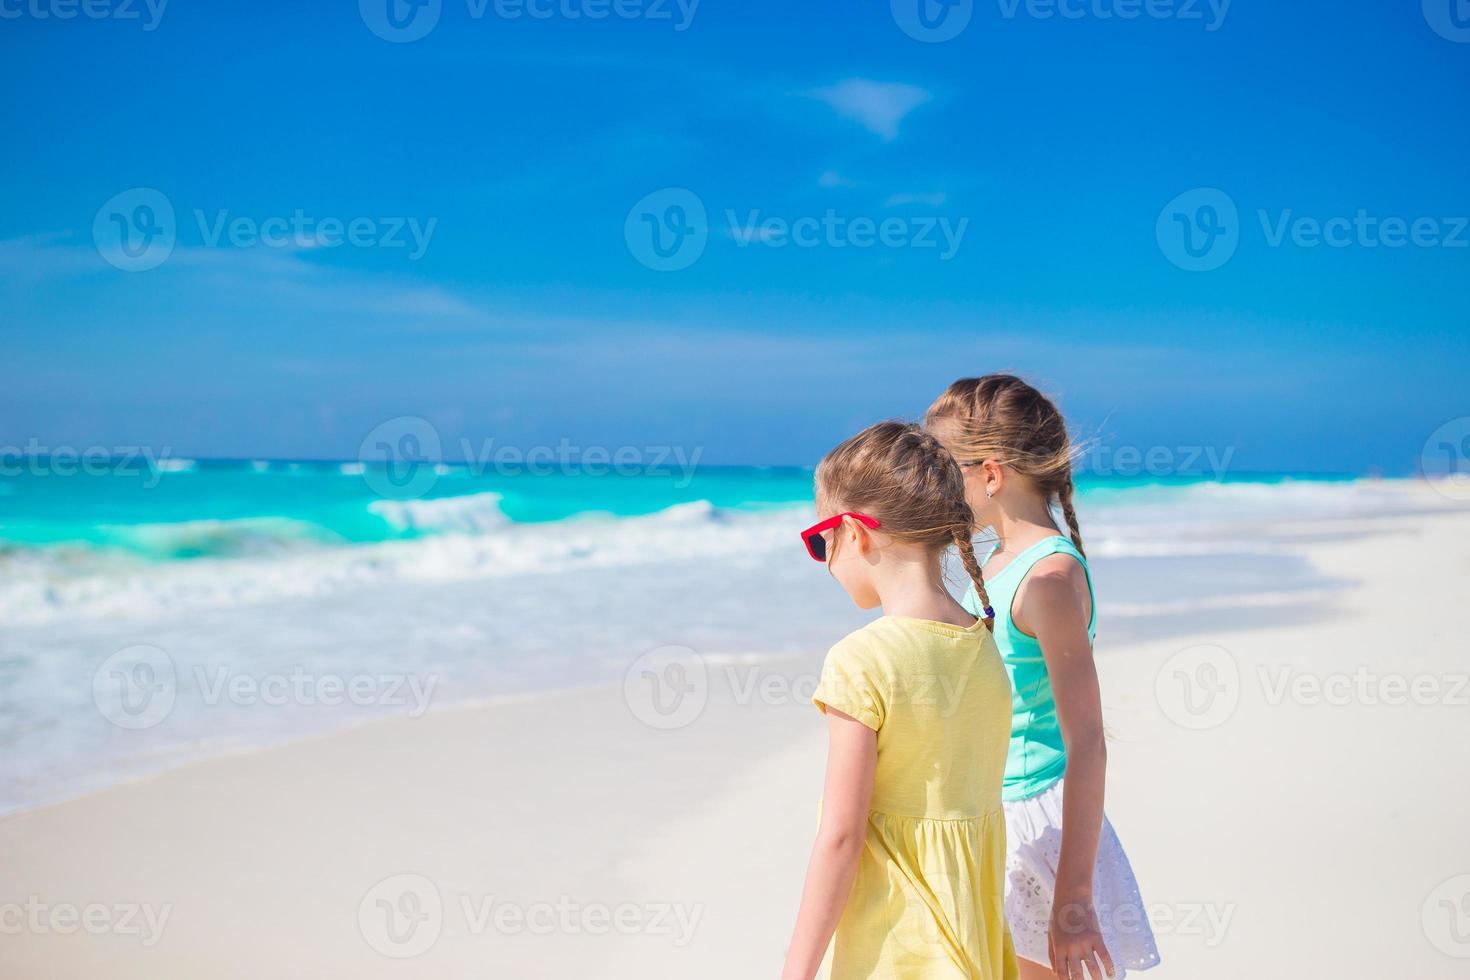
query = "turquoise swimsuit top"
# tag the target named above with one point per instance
(1037, 756)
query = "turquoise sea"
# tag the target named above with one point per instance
(223, 508)
(220, 508)
(216, 583)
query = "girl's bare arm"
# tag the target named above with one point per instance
(852, 755)
(1055, 601)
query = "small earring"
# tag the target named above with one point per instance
(989, 493)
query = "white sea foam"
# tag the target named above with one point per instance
(473, 540)
(175, 465)
(241, 536)
(492, 608)
(1205, 504)
(473, 513)
(468, 537)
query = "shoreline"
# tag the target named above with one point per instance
(522, 833)
(1196, 595)
(1156, 589)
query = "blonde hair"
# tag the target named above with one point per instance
(1003, 419)
(905, 478)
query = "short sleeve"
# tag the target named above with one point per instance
(851, 685)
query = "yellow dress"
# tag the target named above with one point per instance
(928, 899)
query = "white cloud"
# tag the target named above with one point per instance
(428, 302)
(878, 106)
(933, 200)
(34, 258)
(832, 178)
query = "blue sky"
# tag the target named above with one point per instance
(521, 145)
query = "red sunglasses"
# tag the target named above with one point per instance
(816, 545)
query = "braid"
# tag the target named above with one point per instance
(1064, 495)
(967, 558)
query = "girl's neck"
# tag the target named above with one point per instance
(914, 588)
(1023, 521)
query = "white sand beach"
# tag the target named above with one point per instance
(1288, 780)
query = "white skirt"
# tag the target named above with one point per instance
(1033, 850)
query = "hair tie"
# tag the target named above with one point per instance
(989, 613)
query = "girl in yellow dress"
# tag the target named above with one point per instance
(906, 879)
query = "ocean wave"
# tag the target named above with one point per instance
(130, 572)
(42, 585)
(1180, 507)
(473, 513)
(238, 537)
(693, 512)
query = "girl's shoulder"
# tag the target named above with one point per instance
(890, 638)
(863, 645)
(1058, 575)
(871, 642)
(1065, 564)
(857, 677)
(1050, 556)
(1058, 583)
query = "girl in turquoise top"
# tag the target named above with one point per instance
(1071, 898)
